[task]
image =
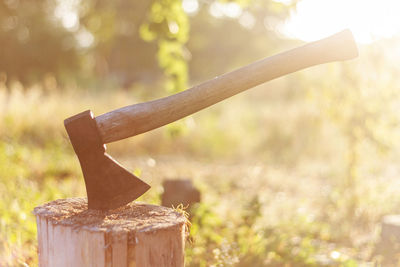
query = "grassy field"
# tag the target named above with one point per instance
(288, 177)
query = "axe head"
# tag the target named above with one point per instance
(108, 184)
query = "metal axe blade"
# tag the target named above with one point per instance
(108, 184)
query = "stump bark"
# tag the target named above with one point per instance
(134, 235)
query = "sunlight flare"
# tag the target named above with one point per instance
(369, 20)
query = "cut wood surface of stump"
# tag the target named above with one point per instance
(134, 235)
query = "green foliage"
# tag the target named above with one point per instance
(226, 241)
(29, 176)
(168, 25)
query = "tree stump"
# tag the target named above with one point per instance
(389, 245)
(134, 235)
(179, 191)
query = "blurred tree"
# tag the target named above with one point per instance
(228, 34)
(32, 44)
(118, 52)
(138, 41)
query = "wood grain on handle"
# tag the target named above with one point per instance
(135, 119)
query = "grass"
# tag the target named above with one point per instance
(273, 170)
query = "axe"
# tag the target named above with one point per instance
(109, 185)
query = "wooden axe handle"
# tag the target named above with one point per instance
(135, 119)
